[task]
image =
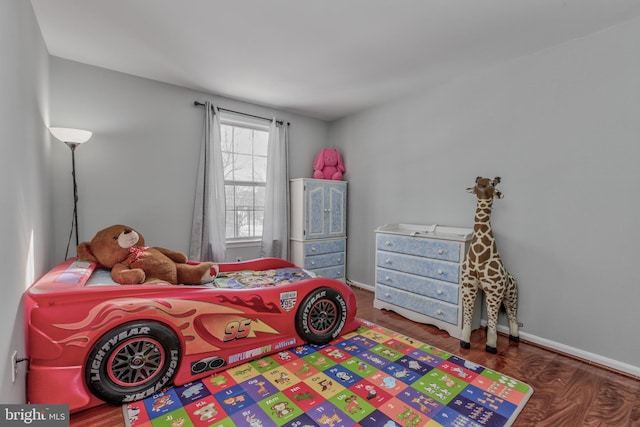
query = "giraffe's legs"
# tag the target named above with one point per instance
(469, 292)
(493, 306)
(510, 305)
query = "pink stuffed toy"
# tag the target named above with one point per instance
(328, 165)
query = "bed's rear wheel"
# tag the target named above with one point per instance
(321, 316)
(132, 361)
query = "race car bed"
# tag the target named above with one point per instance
(91, 340)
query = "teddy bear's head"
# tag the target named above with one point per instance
(110, 246)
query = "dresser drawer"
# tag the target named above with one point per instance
(324, 247)
(436, 249)
(420, 304)
(437, 289)
(336, 272)
(326, 260)
(426, 267)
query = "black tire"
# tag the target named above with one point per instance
(132, 361)
(321, 316)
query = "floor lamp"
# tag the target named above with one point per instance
(73, 138)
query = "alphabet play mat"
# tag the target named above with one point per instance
(372, 377)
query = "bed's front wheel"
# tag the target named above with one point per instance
(132, 361)
(321, 316)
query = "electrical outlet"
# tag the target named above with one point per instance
(14, 365)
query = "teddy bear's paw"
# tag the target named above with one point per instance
(210, 273)
(133, 276)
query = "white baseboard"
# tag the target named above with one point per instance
(361, 285)
(575, 352)
(552, 345)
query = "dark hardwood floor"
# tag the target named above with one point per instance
(567, 392)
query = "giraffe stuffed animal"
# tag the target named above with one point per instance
(483, 270)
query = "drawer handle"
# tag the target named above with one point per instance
(388, 295)
(313, 248)
(388, 261)
(440, 252)
(439, 312)
(339, 259)
(440, 272)
(313, 263)
(388, 244)
(388, 279)
(439, 292)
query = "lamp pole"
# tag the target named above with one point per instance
(72, 146)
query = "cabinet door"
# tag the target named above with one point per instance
(325, 207)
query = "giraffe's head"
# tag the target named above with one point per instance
(485, 188)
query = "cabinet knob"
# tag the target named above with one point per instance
(439, 312)
(388, 295)
(388, 244)
(440, 272)
(327, 210)
(313, 263)
(439, 292)
(313, 248)
(388, 261)
(440, 251)
(388, 279)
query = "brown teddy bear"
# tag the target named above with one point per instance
(122, 249)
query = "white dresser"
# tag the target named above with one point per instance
(418, 273)
(319, 226)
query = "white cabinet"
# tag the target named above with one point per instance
(418, 273)
(319, 226)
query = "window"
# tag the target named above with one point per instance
(244, 156)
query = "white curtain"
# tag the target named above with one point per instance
(275, 233)
(208, 241)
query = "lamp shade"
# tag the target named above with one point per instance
(76, 136)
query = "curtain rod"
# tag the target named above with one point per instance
(201, 104)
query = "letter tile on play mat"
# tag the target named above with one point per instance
(324, 385)
(401, 373)
(234, 399)
(303, 396)
(219, 381)
(301, 368)
(351, 404)
(488, 400)
(371, 393)
(457, 371)
(243, 372)
(205, 412)
(359, 367)
(480, 413)
(319, 361)
(335, 354)
(192, 392)
(386, 382)
(327, 414)
(425, 404)
(259, 388)
(281, 378)
(342, 376)
(397, 345)
(440, 385)
(412, 364)
(162, 403)
(280, 409)
(386, 352)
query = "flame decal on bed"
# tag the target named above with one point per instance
(256, 303)
(113, 311)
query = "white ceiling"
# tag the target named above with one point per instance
(321, 58)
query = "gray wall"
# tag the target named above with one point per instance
(140, 166)
(561, 127)
(25, 224)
